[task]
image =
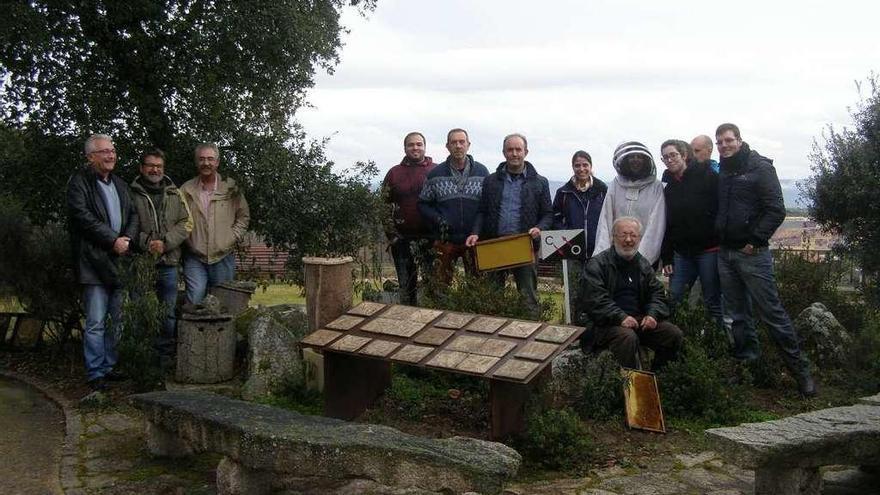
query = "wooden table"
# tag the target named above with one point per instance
(359, 347)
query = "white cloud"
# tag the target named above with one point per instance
(588, 75)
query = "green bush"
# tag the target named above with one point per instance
(556, 439)
(416, 393)
(36, 268)
(592, 385)
(142, 318)
(696, 323)
(481, 295)
(697, 387)
(862, 368)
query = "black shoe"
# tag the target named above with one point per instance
(114, 376)
(806, 385)
(97, 385)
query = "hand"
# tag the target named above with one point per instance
(120, 246)
(471, 241)
(156, 247)
(748, 249)
(667, 270)
(649, 323)
(630, 322)
(535, 232)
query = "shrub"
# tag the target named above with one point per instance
(862, 369)
(142, 318)
(416, 393)
(555, 439)
(35, 267)
(593, 385)
(695, 387)
(481, 295)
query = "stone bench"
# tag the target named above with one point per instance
(787, 453)
(267, 449)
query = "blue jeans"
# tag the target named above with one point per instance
(99, 342)
(746, 280)
(166, 291)
(200, 276)
(686, 270)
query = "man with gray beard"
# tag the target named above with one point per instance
(165, 224)
(627, 303)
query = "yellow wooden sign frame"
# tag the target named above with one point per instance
(504, 252)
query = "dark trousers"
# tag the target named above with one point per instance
(408, 254)
(665, 340)
(447, 253)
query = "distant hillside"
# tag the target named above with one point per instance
(790, 194)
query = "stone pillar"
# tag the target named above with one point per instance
(328, 289)
(235, 479)
(164, 443)
(205, 348)
(788, 481)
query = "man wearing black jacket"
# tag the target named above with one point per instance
(750, 209)
(515, 200)
(102, 223)
(626, 303)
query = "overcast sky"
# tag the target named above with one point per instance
(590, 74)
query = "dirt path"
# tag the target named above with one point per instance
(31, 437)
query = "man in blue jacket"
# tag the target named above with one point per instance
(750, 209)
(515, 200)
(449, 202)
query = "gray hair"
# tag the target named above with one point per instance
(515, 135)
(207, 145)
(90, 142)
(626, 219)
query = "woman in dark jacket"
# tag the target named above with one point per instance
(690, 247)
(577, 205)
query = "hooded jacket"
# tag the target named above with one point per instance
(400, 189)
(216, 231)
(449, 200)
(169, 222)
(91, 237)
(750, 202)
(570, 211)
(691, 208)
(535, 209)
(635, 197)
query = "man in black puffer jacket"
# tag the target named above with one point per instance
(750, 209)
(515, 200)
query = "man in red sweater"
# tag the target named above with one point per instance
(408, 234)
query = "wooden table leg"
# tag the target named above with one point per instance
(352, 383)
(508, 404)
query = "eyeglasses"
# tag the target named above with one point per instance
(105, 151)
(670, 156)
(623, 237)
(726, 141)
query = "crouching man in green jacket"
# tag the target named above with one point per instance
(626, 304)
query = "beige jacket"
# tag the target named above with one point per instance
(216, 231)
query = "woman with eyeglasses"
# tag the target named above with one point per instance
(690, 247)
